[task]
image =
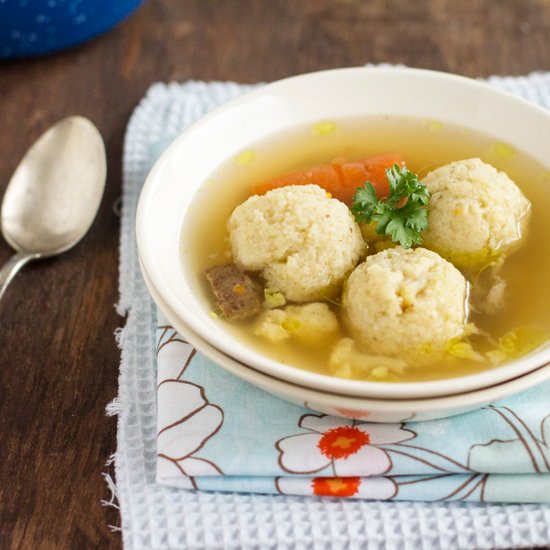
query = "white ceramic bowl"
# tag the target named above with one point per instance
(188, 162)
(365, 408)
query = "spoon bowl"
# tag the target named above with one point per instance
(54, 194)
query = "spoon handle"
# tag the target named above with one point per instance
(12, 266)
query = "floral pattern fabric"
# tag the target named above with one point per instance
(344, 447)
(219, 433)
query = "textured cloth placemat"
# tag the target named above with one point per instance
(157, 516)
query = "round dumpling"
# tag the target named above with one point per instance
(303, 242)
(475, 212)
(405, 301)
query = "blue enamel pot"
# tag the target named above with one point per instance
(38, 27)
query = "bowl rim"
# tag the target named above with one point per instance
(295, 374)
(436, 404)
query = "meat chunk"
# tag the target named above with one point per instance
(237, 295)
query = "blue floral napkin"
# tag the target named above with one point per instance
(219, 433)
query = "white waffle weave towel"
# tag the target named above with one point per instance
(156, 516)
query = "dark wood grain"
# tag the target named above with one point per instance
(58, 358)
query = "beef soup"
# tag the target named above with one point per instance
(438, 269)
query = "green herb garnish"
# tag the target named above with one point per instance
(402, 215)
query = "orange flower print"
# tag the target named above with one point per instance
(371, 416)
(351, 413)
(343, 441)
(335, 486)
(344, 447)
(379, 488)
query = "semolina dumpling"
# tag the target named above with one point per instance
(310, 324)
(303, 242)
(405, 301)
(475, 212)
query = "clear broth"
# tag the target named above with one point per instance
(425, 145)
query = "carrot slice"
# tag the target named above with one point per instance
(341, 179)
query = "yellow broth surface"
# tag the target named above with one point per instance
(425, 145)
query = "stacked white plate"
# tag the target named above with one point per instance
(187, 164)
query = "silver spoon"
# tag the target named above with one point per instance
(54, 194)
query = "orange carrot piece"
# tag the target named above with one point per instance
(354, 174)
(324, 176)
(376, 171)
(341, 179)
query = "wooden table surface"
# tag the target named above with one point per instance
(58, 357)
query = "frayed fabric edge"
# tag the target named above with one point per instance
(113, 500)
(115, 408)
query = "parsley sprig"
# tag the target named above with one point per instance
(403, 215)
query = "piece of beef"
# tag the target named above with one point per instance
(237, 295)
